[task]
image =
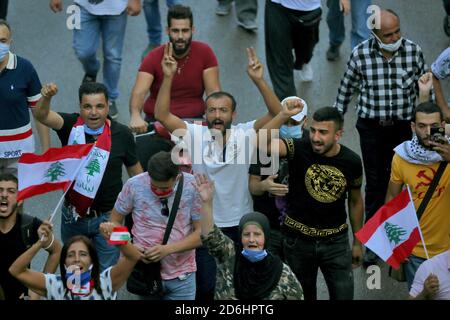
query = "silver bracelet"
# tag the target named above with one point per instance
(51, 242)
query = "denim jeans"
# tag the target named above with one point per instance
(334, 258)
(335, 21)
(411, 267)
(89, 227)
(245, 9)
(87, 40)
(180, 288)
(153, 18)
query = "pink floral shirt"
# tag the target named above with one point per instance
(149, 224)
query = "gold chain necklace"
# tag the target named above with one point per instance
(182, 66)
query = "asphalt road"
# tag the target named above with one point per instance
(42, 37)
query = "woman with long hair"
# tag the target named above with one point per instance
(80, 278)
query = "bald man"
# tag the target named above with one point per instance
(384, 70)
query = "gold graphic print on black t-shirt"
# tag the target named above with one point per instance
(325, 183)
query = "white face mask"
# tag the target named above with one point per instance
(391, 47)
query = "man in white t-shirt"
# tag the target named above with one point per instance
(106, 19)
(222, 151)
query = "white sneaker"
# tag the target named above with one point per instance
(306, 74)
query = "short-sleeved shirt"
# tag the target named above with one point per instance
(319, 186)
(11, 247)
(56, 290)
(441, 67)
(186, 95)
(226, 167)
(438, 265)
(123, 152)
(20, 89)
(435, 221)
(103, 7)
(149, 225)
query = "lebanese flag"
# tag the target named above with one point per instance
(82, 193)
(393, 231)
(53, 170)
(120, 235)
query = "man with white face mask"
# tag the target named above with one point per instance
(385, 71)
(19, 91)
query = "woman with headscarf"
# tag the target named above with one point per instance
(246, 271)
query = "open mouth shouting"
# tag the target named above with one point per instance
(4, 205)
(218, 124)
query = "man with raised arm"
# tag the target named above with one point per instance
(220, 151)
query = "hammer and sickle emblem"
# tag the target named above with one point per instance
(423, 175)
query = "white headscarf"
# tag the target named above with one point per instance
(413, 152)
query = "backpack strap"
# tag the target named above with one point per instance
(174, 209)
(431, 189)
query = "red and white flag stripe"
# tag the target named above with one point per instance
(393, 231)
(53, 170)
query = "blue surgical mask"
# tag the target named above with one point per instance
(291, 132)
(93, 132)
(391, 47)
(4, 50)
(254, 255)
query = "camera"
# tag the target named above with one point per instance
(437, 134)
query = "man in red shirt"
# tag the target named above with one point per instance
(197, 73)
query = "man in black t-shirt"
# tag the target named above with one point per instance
(12, 242)
(322, 175)
(114, 142)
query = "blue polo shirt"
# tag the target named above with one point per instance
(20, 88)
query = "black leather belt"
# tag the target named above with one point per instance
(383, 122)
(386, 122)
(313, 232)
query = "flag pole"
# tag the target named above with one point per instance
(418, 223)
(82, 163)
(65, 192)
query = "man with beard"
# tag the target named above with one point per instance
(222, 151)
(385, 71)
(415, 163)
(322, 175)
(197, 73)
(17, 232)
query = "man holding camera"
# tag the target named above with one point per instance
(415, 164)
